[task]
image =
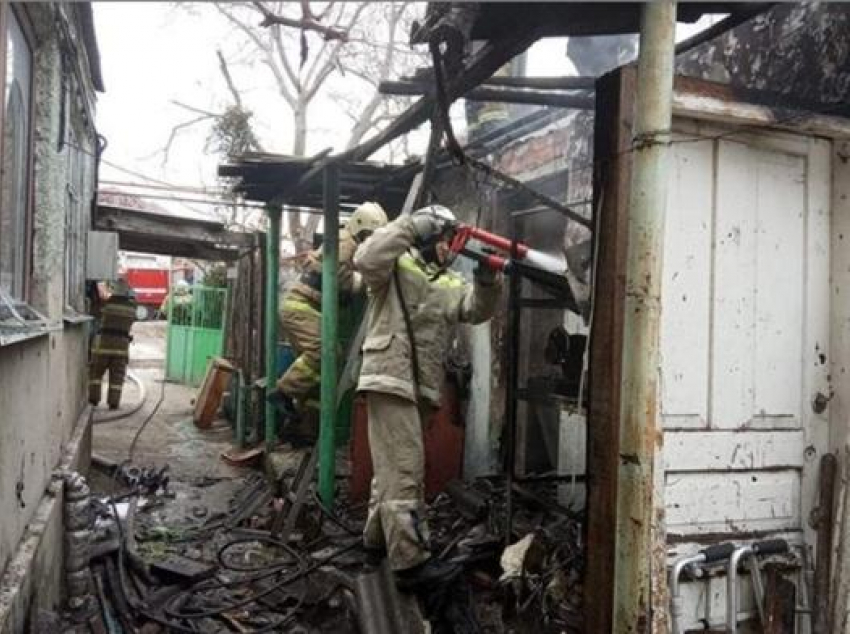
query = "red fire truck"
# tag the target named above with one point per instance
(148, 276)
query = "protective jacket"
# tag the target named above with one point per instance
(300, 317)
(309, 286)
(110, 349)
(435, 300)
(116, 320)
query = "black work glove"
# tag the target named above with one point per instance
(484, 275)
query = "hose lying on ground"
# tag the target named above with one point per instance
(113, 416)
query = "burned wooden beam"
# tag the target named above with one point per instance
(500, 95)
(544, 83)
(483, 64)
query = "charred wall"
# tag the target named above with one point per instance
(800, 50)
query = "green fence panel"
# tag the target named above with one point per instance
(177, 353)
(195, 333)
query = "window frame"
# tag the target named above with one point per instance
(19, 12)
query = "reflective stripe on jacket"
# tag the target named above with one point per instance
(433, 303)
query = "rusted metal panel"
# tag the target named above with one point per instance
(612, 137)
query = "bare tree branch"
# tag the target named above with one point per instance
(322, 54)
(331, 60)
(166, 150)
(280, 49)
(307, 23)
(196, 110)
(326, 11)
(263, 47)
(228, 79)
(364, 123)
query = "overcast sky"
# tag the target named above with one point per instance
(154, 53)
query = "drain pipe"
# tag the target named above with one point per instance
(709, 555)
(638, 444)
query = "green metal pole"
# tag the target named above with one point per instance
(330, 309)
(272, 274)
(638, 575)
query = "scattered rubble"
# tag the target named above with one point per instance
(249, 556)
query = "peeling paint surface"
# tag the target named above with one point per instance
(43, 380)
(745, 305)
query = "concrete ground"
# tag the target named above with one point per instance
(170, 437)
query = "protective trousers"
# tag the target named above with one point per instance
(301, 325)
(396, 517)
(117, 366)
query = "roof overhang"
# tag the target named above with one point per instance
(176, 236)
(296, 181)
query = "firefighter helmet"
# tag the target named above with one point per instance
(365, 220)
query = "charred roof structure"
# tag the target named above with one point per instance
(291, 181)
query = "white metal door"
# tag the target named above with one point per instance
(744, 334)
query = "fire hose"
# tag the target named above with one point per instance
(113, 416)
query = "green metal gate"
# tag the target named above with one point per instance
(195, 333)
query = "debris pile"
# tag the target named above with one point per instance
(251, 555)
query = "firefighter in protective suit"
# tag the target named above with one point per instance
(301, 323)
(413, 301)
(110, 349)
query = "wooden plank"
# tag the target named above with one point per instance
(699, 451)
(780, 598)
(779, 290)
(725, 104)
(212, 390)
(612, 138)
(733, 306)
(733, 502)
(685, 292)
(817, 306)
(495, 94)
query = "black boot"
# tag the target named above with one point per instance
(284, 405)
(428, 574)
